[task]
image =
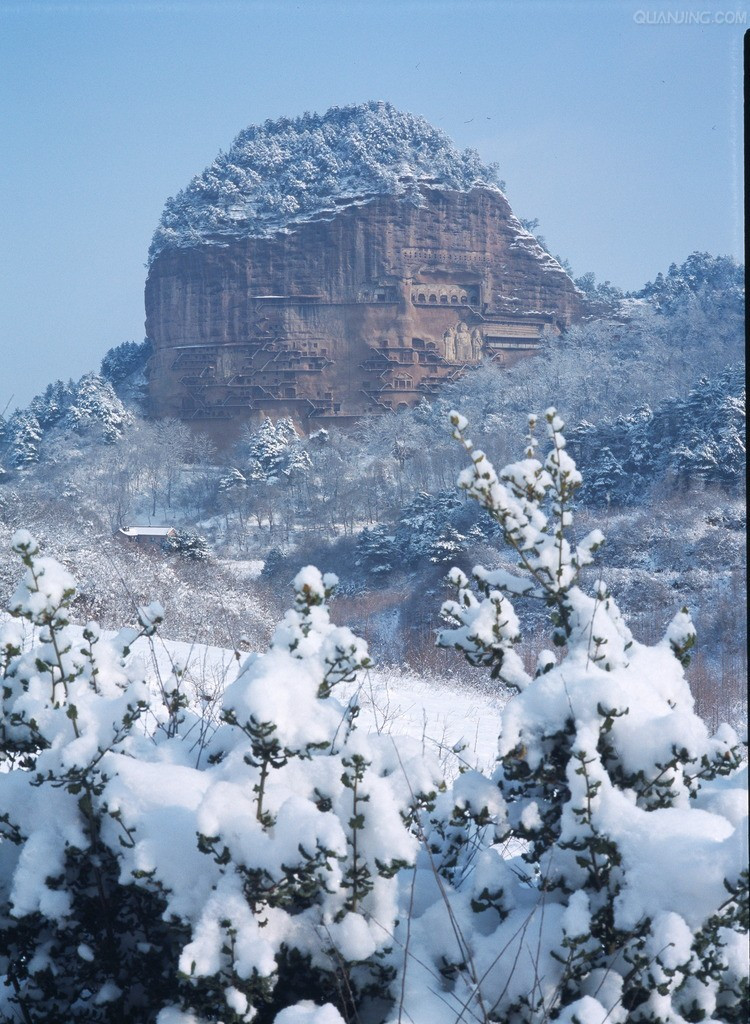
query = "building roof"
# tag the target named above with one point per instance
(147, 531)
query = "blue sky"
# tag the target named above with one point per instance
(621, 135)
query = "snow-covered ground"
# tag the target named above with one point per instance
(460, 724)
(244, 568)
(445, 718)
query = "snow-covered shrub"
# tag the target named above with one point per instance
(304, 822)
(77, 942)
(136, 885)
(272, 563)
(188, 544)
(628, 901)
(94, 403)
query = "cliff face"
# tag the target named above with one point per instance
(364, 309)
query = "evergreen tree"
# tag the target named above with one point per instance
(188, 544)
(604, 768)
(25, 439)
(429, 528)
(51, 407)
(376, 550)
(273, 452)
(606, 480)
(124, 362)
(231, 479)
(305, 831)
(94, 403)
(77, 942)
(718, 279)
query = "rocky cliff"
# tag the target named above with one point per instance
(355, 303)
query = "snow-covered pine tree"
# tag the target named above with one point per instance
(716, 278)
(627, 900)
(377, 552)
(25, 437)
(77, 943)
(710, 445)
(188, 544)
(696, 440)
(126, 363)
(50, 407)
(607, 480)
(303, 819)
(427, 529)
(95, 403)
(231, 479)
(273, 451)
(135, 884)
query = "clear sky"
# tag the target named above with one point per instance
(622, 135)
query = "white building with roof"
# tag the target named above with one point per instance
(147, 534)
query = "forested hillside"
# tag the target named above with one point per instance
(653, 395)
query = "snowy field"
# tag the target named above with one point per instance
(461, 725)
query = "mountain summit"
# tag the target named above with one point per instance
(288, 171)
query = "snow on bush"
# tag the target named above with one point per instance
(288, 868)
(89, 406)
(270, 453)
(287, 171)
(134, 883)
(695, 440)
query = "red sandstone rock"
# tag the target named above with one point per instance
(367, 310)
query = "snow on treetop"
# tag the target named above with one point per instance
(287, 171)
